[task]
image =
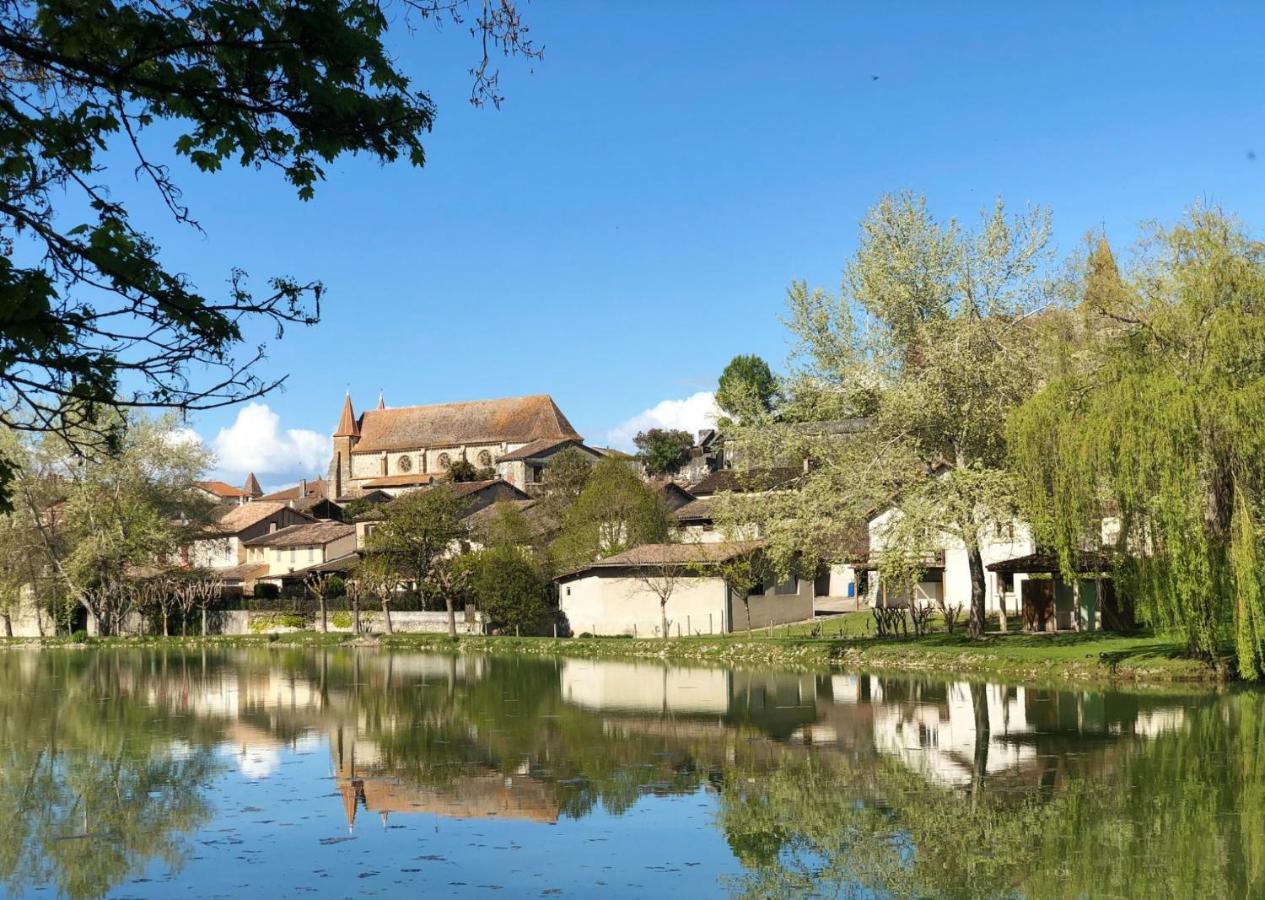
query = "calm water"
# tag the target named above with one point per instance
(159, 774)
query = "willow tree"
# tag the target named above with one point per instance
(927, 349)
(1154, 425)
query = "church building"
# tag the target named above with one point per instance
(396, 450)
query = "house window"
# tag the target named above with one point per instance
(757, 591)
(787, 586)
(485, 458)
(535, 474)
(444, 461)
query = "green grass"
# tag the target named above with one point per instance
(844, 642)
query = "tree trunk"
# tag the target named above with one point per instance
(204, 620)
(355, 615)
(324, 612)
(165, 633)
(386, 615)
(1001, 603)
(977, 593)
(979, 767)
(8, 625)
(452, 614)
(663, 617)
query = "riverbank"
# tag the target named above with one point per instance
(1081, 658)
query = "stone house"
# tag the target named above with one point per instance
(223, 493)
(223, 547)
(525, 466)
(621, 594)
(289, 550)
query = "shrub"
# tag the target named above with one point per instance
(511, 590)
(340, 619)
(260, 624)
(79, 637)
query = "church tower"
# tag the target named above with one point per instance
(345, 437)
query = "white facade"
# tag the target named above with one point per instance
(600, 604)
(284, 560)
(955, 586)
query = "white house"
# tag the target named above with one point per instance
(947, 573)
(622, 594)
(300, 547)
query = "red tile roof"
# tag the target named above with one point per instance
(220, 489)
(510, 420)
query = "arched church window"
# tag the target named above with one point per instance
(404, 463)
(485, 458)
(444, 460)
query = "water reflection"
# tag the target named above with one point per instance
(119, 767)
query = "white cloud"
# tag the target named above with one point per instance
(695, 412)
(256, 443)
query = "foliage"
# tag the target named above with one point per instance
(614, 512)
(564, 479)
(930, 346)
(1152, 421)
(662, 451)
(748, 390)
(462, 470)
(340, 619)
(94, 319)
(261, 624)
(415, 540)
(510, 588)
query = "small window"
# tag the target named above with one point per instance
(757, 591)
(787, 586)
(535, 474)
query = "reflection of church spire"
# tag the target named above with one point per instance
(353, 792)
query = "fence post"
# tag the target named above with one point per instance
(516, 632)
(688, 626)
(634, 631)
(555, 631)
(709, 624)
(678, 629)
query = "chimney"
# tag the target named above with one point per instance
(302, 488)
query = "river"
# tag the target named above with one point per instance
(284, 772)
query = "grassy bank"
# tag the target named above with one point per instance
(841, 643)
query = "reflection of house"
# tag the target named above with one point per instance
(300, 546)
(632, 592)
(399, 449)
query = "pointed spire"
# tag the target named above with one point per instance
(382, 403)
(347, 421)
(1104, 287)
(251, 488)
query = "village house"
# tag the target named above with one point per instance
(222, 548)
(396, 450)
(311, 497)
(475, 496)
(223, 493)
(621, 594)
(290, 550)
(525, 467)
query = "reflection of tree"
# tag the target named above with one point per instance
(1182, 815)
(92, 792)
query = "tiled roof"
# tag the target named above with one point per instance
(304, 535)
(238, 518)
(540, 521)
(469, 488)
(220, 489)
(743, 482)
(347, 421)
(399, 480)
(700, 510)
(511, 420)
(243, 572)
(527, 451)
(315, 488)
(672, 555)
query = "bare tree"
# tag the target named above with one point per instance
(317, 586)
(660, 577)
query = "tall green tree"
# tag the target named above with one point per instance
(417, 539)
(1153, 423)
(662, 451)
(930, 344)
(748, 389)
(614, 512)
(95, 95)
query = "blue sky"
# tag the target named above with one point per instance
(631, 216)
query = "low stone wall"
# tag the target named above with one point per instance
(436, 622)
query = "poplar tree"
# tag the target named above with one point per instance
(923, 354)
